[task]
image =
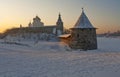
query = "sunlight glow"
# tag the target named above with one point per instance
(16, 12)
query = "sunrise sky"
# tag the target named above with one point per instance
(103, 14)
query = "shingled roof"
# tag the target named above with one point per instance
(83, 21)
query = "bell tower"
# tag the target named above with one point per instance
(59, 24)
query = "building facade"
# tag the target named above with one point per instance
(54, 29)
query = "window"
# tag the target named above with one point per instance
(78, 35)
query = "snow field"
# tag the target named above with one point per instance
(53, 59)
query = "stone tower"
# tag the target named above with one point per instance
(83, 34)
(59, 25)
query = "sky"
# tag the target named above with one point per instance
(103, 14)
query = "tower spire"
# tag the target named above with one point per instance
(59, 14)
(83, 21)
(59, 24)
(59, 18)
(82, 10)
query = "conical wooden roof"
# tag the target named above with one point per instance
(83, 21)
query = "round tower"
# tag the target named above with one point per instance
(83, 34)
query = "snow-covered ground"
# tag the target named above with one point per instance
(54, 59)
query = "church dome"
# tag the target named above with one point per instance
(37, 18)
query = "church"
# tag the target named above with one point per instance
(82, 35)
(37, 26)
(51, 29)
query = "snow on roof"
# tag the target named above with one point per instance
(83, 21)
(64, 36)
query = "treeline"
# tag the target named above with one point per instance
(111, 34)
(19, 31)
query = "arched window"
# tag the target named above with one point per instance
(78, 35)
